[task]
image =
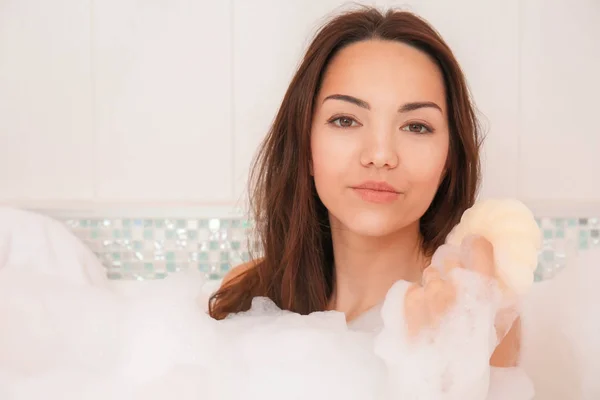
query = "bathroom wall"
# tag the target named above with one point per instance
(121, 110)
(165, 102)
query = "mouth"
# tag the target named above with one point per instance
(377, 192)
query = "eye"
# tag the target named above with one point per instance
(417, 128)
(344, 122)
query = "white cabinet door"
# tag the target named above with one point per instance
(45, 102)
(270, 37)
(163, 100)
(560, 97)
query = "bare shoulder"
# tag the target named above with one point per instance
(238, 270)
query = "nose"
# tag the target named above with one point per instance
(379, 149)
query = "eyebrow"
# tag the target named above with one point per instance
(412, 106)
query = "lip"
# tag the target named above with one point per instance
(377, 192)
(377, 186)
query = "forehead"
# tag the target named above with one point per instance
(381, 71)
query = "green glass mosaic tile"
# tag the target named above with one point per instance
(548, 255)
(204, 267)
(152, 248)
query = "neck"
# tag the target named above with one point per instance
(367, 267)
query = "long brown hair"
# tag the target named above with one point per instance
(291, 223)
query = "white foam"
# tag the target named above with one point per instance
(451, 362)
(561, 332)
(153, 341)
(48, 323)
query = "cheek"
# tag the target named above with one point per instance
(426, 166)
(331, 155)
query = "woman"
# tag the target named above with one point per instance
(371, 161)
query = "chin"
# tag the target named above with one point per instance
(373, 224)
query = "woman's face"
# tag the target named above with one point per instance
(379, 137)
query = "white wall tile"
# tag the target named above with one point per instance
(170, 99)
(163, 100)
(45, 102)
(560, 88)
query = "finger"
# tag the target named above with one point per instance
(451, 263)
(446, 258)
(440, 296)
(414, 297)
(433, 285)
(478, 255)
(415, 312)
(430, 274)
(436, 289)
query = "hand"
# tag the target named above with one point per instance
(426, 303)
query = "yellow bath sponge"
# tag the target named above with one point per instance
(511, 228)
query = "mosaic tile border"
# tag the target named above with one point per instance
(152, 248)
(563, 239)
